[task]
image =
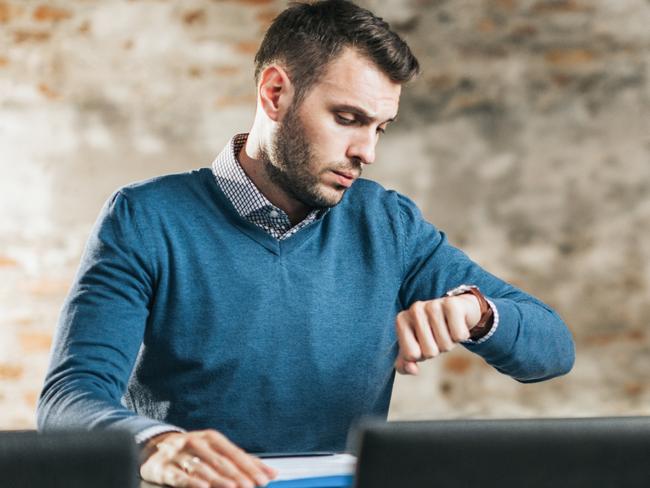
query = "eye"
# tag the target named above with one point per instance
(344, 120)
(381, 130)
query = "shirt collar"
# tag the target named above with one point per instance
(248, 200)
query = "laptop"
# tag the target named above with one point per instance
(106, 459)
(532, 453)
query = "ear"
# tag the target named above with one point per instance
(275, 91)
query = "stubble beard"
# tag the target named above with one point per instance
(289, 161)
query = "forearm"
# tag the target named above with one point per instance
(77, 402)
(531, 343)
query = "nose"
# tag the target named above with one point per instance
(362, 147)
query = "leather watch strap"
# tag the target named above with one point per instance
(484, 324)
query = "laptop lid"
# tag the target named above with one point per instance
(104, 459)
(535, 453)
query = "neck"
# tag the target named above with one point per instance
(251, 162)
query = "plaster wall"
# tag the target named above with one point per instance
(526, 138)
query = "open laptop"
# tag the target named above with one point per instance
(531, 453)
(104, 459)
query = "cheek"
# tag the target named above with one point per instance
(327, 140)
(329, 146)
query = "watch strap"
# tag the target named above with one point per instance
(484, 324)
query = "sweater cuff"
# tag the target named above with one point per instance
(499, 340)
(493, 328)
(142, 437)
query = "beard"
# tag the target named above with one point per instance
(289, 163)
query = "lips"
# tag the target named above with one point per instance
(345, 178)
(346, 174)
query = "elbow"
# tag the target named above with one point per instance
(564, 352)
(557, 362)
(53, 408)
(43, 409)
(568, 361)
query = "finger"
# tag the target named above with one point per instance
(227, 469)
(244, 462)
(218, 465)
(411, 367)
(209, 463)
(409, 349)
(423, 330)
(456, 323)
(215, 479)
(176, 477)
(268, 470)
(399, 365)
(438, 315)
(406, 367)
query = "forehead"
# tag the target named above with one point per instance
(352, 79)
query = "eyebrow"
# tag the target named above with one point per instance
(359, 112)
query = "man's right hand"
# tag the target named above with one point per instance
(201, 459)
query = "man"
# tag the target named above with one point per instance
(264, 304)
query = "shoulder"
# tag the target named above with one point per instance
(165, 187)
(368, 192)
(370, 196)
(165, 183)
(369, 204)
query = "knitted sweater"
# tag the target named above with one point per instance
(183, 313)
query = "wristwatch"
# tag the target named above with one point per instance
(484, 324)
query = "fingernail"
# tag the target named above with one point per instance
(261, 480)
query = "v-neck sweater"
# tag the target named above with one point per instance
(185, 314)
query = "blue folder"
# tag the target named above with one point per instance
(317, 482)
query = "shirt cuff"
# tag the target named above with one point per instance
(142, 437)
(493, 329)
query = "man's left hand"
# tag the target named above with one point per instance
(429, 328)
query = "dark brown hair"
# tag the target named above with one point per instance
(305, 37)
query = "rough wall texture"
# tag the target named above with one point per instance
(527, 139)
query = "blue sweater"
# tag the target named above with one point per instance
(183, 313)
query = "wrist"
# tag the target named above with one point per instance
(151, 445)
(482, 326)
(473, 312)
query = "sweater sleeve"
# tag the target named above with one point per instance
(100, 329)
(531, 344)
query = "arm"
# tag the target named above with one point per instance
(99, 335)
(100, 329)
(531, 342)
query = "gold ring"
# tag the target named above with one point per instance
(189, 465)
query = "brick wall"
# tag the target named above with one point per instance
(527, 139)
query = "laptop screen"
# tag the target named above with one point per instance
(104, 459)
(531, 453)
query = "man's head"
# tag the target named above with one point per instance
(306, 37)
(329, 77)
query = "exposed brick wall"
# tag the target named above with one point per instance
(527, 139)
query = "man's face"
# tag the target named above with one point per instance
(320, 146)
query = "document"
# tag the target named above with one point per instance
(321, 471)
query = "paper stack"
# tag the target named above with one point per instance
(323, 471)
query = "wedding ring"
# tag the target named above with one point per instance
(189, 464)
